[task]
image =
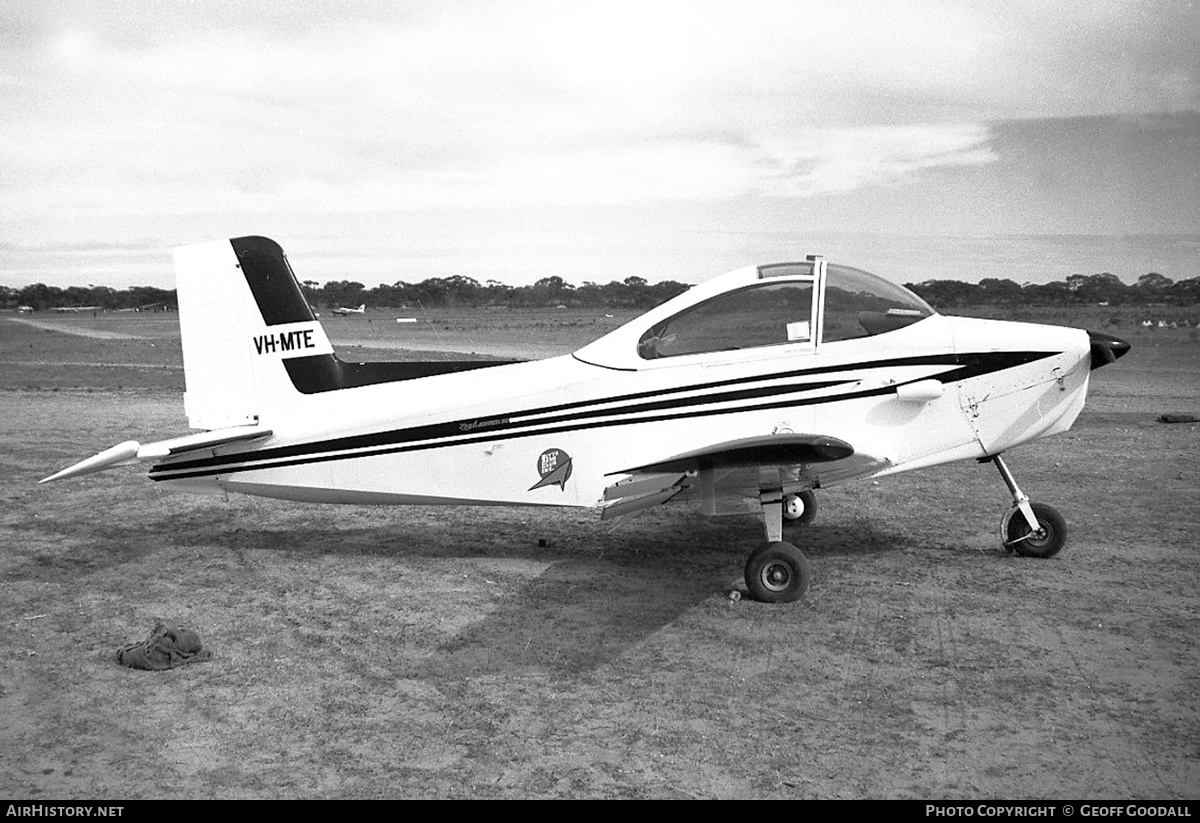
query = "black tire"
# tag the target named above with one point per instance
(1049, 540)
(777, 573)
(809, 512)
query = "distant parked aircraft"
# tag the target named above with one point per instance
(342, 310)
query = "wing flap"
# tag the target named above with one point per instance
(630, 505)
(636, 487)
(637, 493)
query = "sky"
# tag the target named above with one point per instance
(388, 141)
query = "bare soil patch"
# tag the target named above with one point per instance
(481, 653)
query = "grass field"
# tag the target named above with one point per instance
(505, 653)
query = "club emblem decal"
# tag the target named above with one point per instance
(554, 465)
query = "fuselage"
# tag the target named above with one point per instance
(557, 432)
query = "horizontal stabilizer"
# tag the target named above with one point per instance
(133, 452)
(767, 450)
(118, 455)
(202, 440)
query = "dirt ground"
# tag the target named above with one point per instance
(503, 653)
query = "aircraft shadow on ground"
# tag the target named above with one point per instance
(597, 594)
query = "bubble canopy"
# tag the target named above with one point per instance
(803, 305)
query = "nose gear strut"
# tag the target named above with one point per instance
(1040, 531)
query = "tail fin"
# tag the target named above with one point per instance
(252, 345)
(242, 317)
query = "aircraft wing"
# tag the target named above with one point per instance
(131, 451)
(727, 478)
(771, 449)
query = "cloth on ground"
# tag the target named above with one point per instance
(167, 647)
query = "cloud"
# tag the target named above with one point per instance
(481, 113)
(821, 161)
(126, 115)
(498, 109)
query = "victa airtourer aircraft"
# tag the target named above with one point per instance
(740, 396)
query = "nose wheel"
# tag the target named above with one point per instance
(1029, 529)
(1043, 542)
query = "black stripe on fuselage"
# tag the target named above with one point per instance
(597, 413)
(498, 427)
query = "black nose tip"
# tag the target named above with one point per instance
(1106, 348)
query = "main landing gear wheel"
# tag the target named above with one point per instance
(1046, 542)
(799, 509)
(777, 573)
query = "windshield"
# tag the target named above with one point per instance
(860, 304)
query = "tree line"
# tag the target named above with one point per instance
(1077, 290)
(40, 297)
(630, 293)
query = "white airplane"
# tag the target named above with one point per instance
(342, 310)
(740, 396)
